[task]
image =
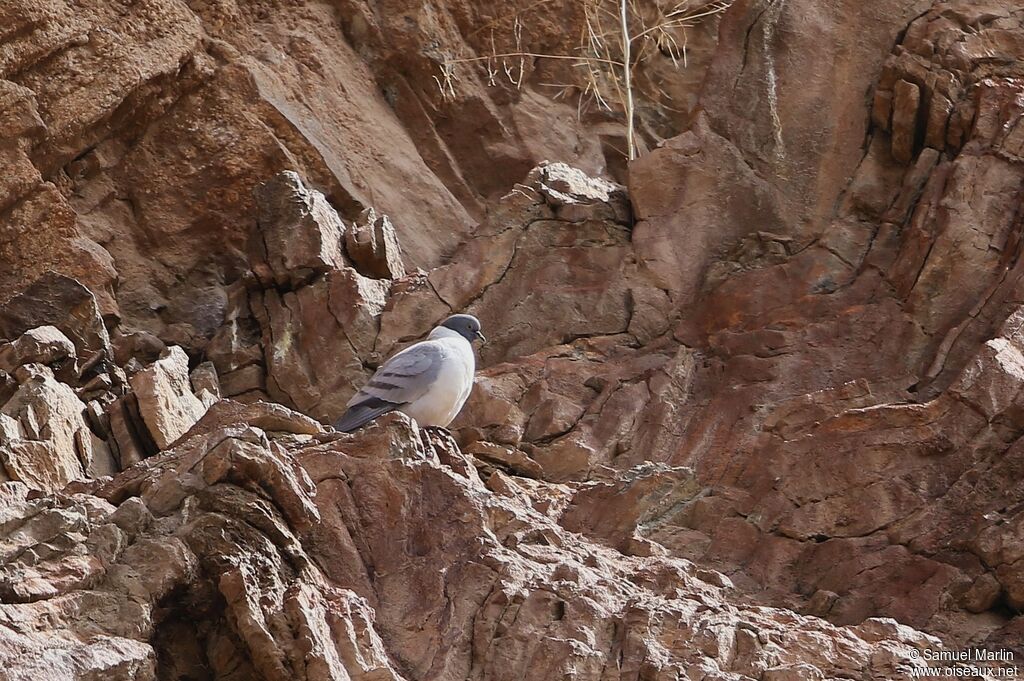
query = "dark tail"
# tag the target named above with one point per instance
(359, 415)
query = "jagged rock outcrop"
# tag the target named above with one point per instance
(853, 468)
(774, 376)
(136, 133)
(252, 553)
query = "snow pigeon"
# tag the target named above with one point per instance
(428, 381)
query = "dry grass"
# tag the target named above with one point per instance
(617, 35)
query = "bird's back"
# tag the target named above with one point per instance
(429, 381)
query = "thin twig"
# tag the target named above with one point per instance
(534, 55)
(627, 77)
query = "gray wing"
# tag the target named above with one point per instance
(405, 377)
(402, 379)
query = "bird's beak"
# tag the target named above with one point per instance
(483, 339)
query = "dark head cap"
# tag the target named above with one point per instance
(466, 325)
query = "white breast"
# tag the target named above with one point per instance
(443, 401)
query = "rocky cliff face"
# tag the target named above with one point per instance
(755, 413)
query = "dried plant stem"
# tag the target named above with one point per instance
(535, 55)
(617, 36)
(627, 78)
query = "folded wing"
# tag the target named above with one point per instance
(402, 379)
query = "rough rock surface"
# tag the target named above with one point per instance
(166, 402)
(756, 412)
(251, 553)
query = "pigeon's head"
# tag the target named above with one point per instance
(466, 325)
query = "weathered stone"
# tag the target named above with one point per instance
(650, 313)
(236, 344)
(315, 339)
(267, 416)
(552, 416)
(166, 402)
(299, 235)
(204, 377)
(577, 196)
(60, 301)
(45, 441)
(43, 236)
(195, 523)
(140, 345)
(620, 511)
(8, 385)
(43, 345)
(129, 440)
(906, 101)
(102, 462)
(993, 381)
(372, 245)
(241, 381)
(814, 313)
(982, 594)
(413, 305)
(510, 459)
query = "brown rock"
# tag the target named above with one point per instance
(993, 381)
(140, 345)
(60, 301)
(412, 306)
(588, 261)
(241, 381)
(44, 439)
(372, 244)
(551, 416)
(906, 101)
(299, 234)
(8, 386)
(34, 254)
(43, 345)
(796, 672)
(982, 594)
(577, 196)
(816, 313)
(633, 504)
(315, 339)
(130, 440)
(267, 416)
(236, 344)
(650, 313)
(193, 521)
(204, 377)
(507, 458)
(165, 399)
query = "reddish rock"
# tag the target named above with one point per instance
(166, 402)
(60, 301)
(906, 101)
(298, 235)
(283, 570)
(44, 440)
(140, 345)
(204, 377)
(314, 339)
(372, 244)
(42, 345)
(129, 439)
(248, 379)
(786, 375)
